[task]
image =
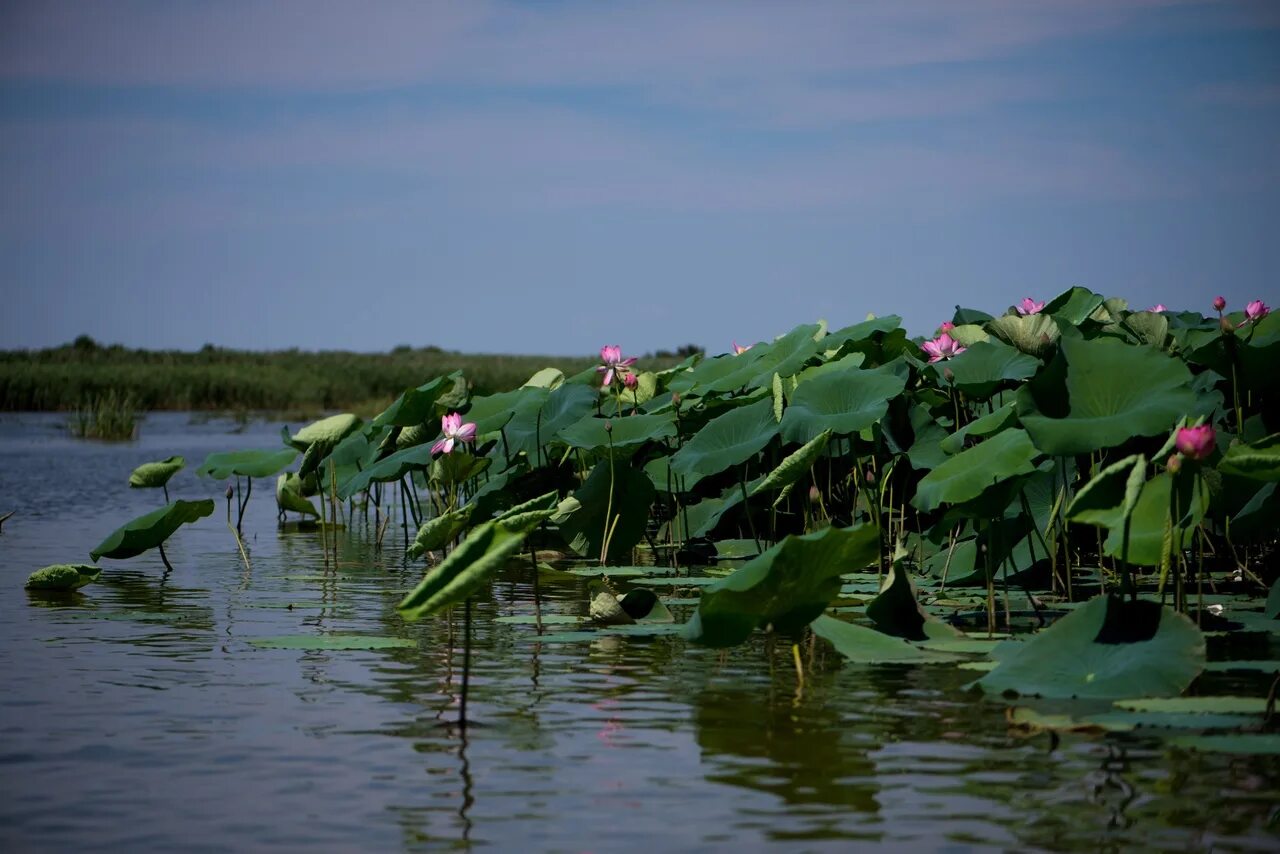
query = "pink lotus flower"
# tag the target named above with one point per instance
(1219, 303)
(454, 431)
(1029, 306)
(629, 380)
(946, 326)
(942, 347)
(738, 349)
(614, 364)
(1157, 308)
(1195, 442)
(1255, 311)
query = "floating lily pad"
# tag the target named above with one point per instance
(1105, 649)
(868, 646)
(636, 630)
(1196, 705)
(547, 620)
(1266, 744)
(330, 642)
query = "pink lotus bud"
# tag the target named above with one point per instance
(815, 496)
(1195, 442)
(675, 398)
(630, 381)
(608, 426)
(949, 374)
(871, 476)
(1219, 303)
(1256, 310)
(1174, 464)
(946, 326)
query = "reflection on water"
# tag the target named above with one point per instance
(136, 714)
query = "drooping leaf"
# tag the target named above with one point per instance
(1149, 523)
(289, 496)
(971, 472)
(795, 466)
(626, 514)
(1109, 498)
(327, 432)
(387, 470)
(156, 475)
(467, 568)
(257, 463)
(786, 587)
(1116, 391)
(1258, 460)
(1102, 650)
(842, 402)
(150, 530)
(63, 576)
(1074, 305)
(895, 609)
(439, 531)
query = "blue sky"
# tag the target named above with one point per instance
(548, 177)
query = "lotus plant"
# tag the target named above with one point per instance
(942, 347)
(613, 365)
(1255, 311)
(1157, 308)
(738, 349)
(1219, 303)
(454, 432)
(1029, 306)
(1195, 443)
(946, 326)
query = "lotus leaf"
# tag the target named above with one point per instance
(492, 413)
(416, 405)
(390, 469)
(531, 429)
(1098, 652)
(63, 576)
(1074, 305)
(786, 587)
(548, 378)
(972, 472)
(626, 514)
(980, 428)
(258, 463)
(150, 530)
(730, 439)
(439, 531)
(156, 475)
(589, 433)
(1258, 460)
(1109, 498)
(868, 646)
(327, 432)
(468, 567)
(794, 467)
(1107, 406)
(289, 496)
(842, 402)
(984, 367)
(1150, 513)
(1033, 334)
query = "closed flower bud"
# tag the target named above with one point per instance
(1174, 465)
(1219, 303)
(230, 492)
(608, 426)
(815, 496)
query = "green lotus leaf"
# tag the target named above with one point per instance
(1221, 705)
(1258, 460)
(1033, 334)
(150, 530)
(795, 466)
(389, 469)
(1115, 391)
(1150, 514)
(63, 576)
(156, 475)
(969, 334)
(257, 463)
(468, 567)
(327, 432)
(646, 388)
(416, 405)
(868, 646)
(754, 368)
(1074, 305)
(895, 609)
(703, 517)
(639, 605)
(983, 368)
(535, 510)
(1148, 328)
(492, 413)
(548, 378)
(980, 428)
(438, 532)
(1109, 498)
(531, 429)
(1257, 744)
(969, 316)
(728, 440)
(589, 433)
(972, 472)
(289, 496)
(1101, 651)
(843, 403)
(786, 587)
(358, 451)
(455, 468)
(627, 513)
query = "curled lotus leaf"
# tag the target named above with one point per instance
(289, 496)
(1109, 498)
(63, 576)
(439, 531)
(157, 474)
(1258, 460)
(1033, 334)
(150, 530)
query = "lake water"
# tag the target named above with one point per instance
(138, 715)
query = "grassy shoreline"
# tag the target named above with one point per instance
(242, 381)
